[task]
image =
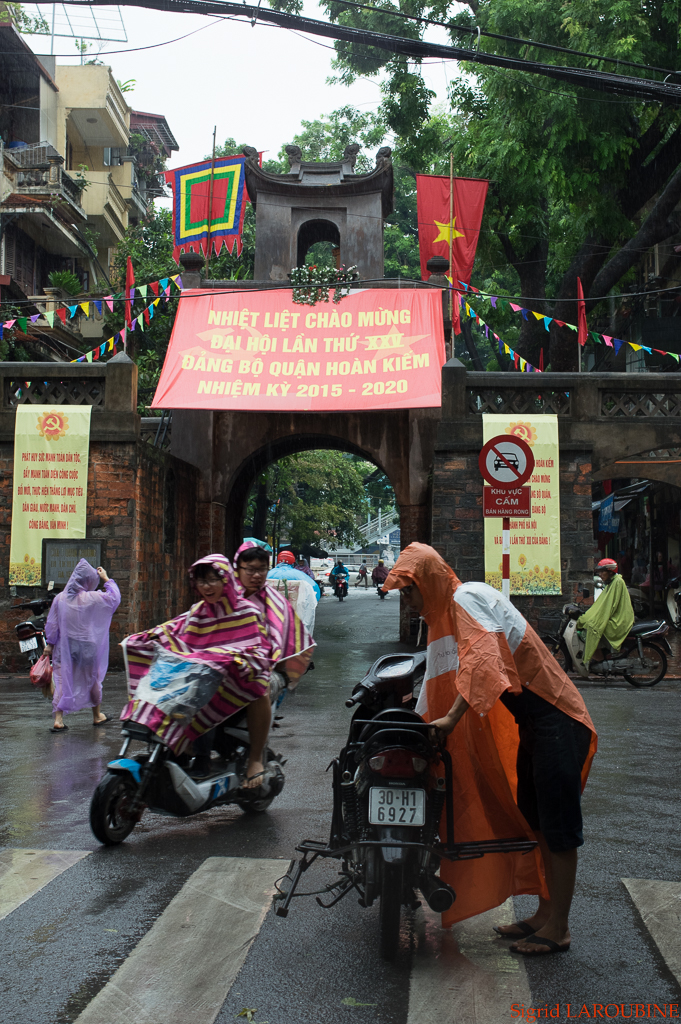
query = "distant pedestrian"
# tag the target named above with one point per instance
(363, 575)
(77, 634)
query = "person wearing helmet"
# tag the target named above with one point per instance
(286, 557)
(609, 619)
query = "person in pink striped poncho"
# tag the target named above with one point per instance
(229, 633)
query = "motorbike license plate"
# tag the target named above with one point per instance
(393, 806)
(28, 645)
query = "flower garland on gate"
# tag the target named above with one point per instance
(311, 284)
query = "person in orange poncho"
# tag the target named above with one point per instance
(521, 750)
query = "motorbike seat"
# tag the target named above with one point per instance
(649, 626)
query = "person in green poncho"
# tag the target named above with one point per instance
(611, 616)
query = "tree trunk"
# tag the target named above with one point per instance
(259, 528)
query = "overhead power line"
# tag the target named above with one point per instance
(601, 81)
(474, 30)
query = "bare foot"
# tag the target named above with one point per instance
(101, 717)
(255, 768)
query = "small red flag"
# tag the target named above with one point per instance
(582, 329)
(432, 205)
(61, 313)
(129, 285)
(154, 287)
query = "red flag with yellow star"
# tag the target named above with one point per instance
(435, 227)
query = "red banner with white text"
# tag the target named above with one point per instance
(260, 351)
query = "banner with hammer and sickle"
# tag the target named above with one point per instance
(51, 452)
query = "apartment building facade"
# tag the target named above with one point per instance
(77, 167)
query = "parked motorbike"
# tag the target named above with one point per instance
(640, 661)
(391, 783)
(31, 632)
(154, 779)
(673, 600)
(340, 586)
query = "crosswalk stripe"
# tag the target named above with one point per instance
(465, 973)
(659, 904)
(184, 966)
(24, 872)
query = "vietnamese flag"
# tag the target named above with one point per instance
(432, 205)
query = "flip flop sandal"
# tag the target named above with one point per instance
(96, 725)
(524, 930)
(254, 790)
(537, 941)
(64, 728)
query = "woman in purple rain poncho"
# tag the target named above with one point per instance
(77, 634)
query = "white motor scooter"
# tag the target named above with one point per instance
(639, 661)
(673, 600)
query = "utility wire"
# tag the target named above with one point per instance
(602, 81)
(474, 30)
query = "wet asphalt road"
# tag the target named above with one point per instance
(63, 944)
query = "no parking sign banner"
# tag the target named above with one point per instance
(535, 541)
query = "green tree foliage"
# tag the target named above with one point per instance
(149, 244)
(581, 184)
(317, 498)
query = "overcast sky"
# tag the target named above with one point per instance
(257, 84)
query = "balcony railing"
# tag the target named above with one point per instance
(39, 170)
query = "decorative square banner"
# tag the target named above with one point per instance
(535, 542)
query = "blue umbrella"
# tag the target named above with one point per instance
(287, 572)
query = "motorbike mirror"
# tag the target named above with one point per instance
(586, 592)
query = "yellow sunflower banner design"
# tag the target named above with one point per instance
(49, 494)
(535, 542)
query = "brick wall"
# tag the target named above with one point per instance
(132, 501)
(458, 531)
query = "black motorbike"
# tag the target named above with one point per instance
(391, 784)
(155, 779)
(31, 632)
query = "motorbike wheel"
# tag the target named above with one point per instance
(389, 911)
(653, 672)
(561, 654)
(108, 819)
(340, 597)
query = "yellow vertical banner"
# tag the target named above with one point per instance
(535, 542)
(49, 494)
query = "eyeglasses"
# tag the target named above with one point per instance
(208, 581)
(253, 572)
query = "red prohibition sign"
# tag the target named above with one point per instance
(506, 461)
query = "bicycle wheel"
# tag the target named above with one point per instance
(653, 668)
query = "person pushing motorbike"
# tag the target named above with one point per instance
(609, 619)
(484, 661)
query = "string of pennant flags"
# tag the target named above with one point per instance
(501, 302)
(159, 289)
(146, 316)
(520, 363)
